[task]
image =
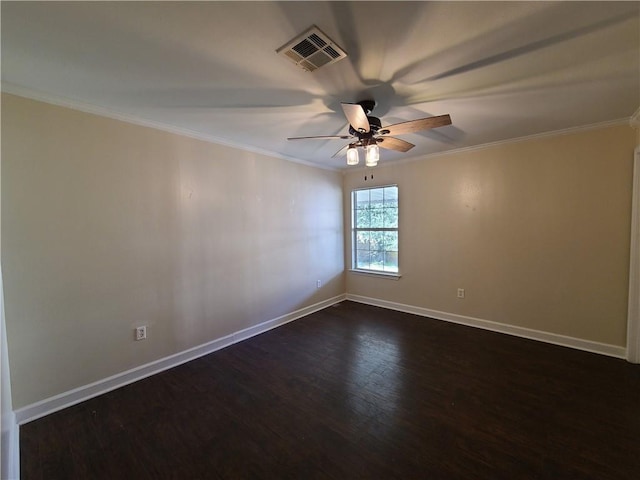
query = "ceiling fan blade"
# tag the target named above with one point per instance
(416, 125)
(322, 137)
(393, 143)
(342, 152)
(356, 116)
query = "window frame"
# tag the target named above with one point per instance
(355, 230)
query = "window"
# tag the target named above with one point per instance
(375, 229)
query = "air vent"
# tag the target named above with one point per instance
(312, 50)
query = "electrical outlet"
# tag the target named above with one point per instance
(461, 293)
(318, 283)
(141, 333)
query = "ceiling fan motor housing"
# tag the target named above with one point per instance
(369, 132)
(374, 125)
(367, 105)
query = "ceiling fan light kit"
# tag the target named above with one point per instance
(353, 158)
(372, 155)
(367, 131)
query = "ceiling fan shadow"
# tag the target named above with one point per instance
(520, 86)
(421, 71)
(382, 33)
(529, 48)
(221, 98)
(449, 135)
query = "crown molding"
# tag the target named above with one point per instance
(132, 119)
(13, 89)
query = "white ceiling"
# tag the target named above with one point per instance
(501, 70)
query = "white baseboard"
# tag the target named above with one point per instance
(58, 402)
(554, 338)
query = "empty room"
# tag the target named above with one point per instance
(333, 240)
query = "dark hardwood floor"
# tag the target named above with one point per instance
(354, 392)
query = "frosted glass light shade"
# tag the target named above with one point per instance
(352, 156)
(372, 155)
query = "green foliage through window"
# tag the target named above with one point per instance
(375, 229)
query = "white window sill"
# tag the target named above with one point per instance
(374, 273)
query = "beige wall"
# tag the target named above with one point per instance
(107, 225)
(536, 232)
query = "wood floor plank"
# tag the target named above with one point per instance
(356, 391)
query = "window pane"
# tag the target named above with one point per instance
(390, 196)
(377, 218)
(390, 216)
(362, 199)
(363, 217)
(391, 261)
(377, 197)
(391, 241)
(377, 260)
(363, 259)
(375, 234)
(377, 240)
(362, 240)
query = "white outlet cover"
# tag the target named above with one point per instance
(141, 333)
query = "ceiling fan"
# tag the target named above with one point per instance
(367, 131)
